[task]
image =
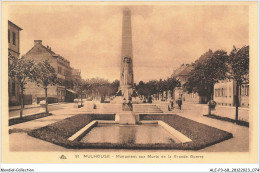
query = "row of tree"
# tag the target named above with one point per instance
(209, 69)
(95, 87)
(23, 70)
(43, 75)
(156, 87)
(214, 66)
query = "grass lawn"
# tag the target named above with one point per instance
(200, 134)
(59, 132)
(18, 120)
(239, 122)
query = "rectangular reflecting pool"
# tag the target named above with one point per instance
(136, 134)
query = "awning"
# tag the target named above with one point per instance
(71, 91)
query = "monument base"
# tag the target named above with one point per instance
(126, 118)
(136, 100)
(127, 91)
(123, 95)
(118, 100)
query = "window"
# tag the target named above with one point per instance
(58, 92)
(247, 90)
(59, 70)
(9, 88)
(14, 38)
(60, 82)
(8, 36)
(67, 73)
(230, 91)
(222, 92)
(13, 88)
(242, 90)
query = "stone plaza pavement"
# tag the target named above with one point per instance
(223, 111)
(20, 141)
(14, 111)
(240, 140)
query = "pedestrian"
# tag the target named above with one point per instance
(124, 104)
(180, 103)
(130, 105)
(150, 99)
(169, 108)
(171, 101)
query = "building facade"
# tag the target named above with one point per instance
(225, 93)
(76, 74)
(13, 50)
(244, 97)
(71, 94)
(56, 93)
(182, 74)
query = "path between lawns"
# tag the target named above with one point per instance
(37, 123)
(240, 140)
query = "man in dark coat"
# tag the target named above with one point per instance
(179, 102)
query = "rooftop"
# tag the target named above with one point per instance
(184, 70)
(48, 49)
(11, 23)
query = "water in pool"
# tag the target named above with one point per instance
(138, 134)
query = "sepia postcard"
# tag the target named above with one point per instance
(129, 82)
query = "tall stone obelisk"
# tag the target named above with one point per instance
(126, 75)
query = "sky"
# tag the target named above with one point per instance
(164, 37)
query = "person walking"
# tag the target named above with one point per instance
(172, 103)
(180, 103)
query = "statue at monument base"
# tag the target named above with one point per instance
(126, 90)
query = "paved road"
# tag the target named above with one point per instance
(13, 113)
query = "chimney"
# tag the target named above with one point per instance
(37, 42)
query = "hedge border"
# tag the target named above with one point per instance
(202, 135)
(24, 119)
(239, 122)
